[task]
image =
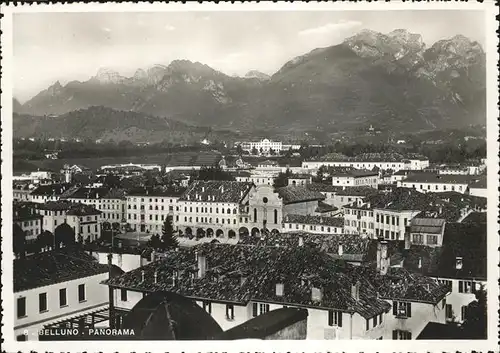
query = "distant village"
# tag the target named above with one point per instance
(376, 246)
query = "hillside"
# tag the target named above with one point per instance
(107, 124)
(391, 81)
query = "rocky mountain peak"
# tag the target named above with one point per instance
(140, 74)
(258, 75)
(55, 89)
(107, 75)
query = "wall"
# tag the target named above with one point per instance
(127, 262)
(297, 331)
(96, 295)
(399, 225)
(265, 210)
(301, 208)
(32, 228)
(482, 192)
(152, 216)
(356, 224)
(421, 315)
(316, 228)
(433, 187)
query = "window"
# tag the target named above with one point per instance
(230, 312)
(401, 335)
(42, 302)
(387, 219)
(367, 324)
(464, 312)
(401, 309)
(449, 311)
(63, 301)
(466, 287)
(263, 308)
(81, 292)
(432, 239)
(21, 307)
(255, 309)
(21, 338)
(375, 321)
(123, 295)
(207, 306)
(334, 318)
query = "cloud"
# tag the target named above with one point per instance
(330, 28)
(169, 28)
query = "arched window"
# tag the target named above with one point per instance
(228, 211)
(234, 211)
(275, 216)
(255, 215)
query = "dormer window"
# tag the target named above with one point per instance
(459, 263)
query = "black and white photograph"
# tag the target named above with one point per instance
(217, 173)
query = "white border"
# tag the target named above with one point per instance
(490, 11)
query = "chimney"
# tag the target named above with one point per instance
(407, 240)
(156, 277)
(458, 263)
(341, 249)
(175, 276)
(202, 265)
(355, 290)
(153, 255)
(202, 189)
(142, 276)
(301, 241)
(382, 260)
(280, 289)
(316, 294)
(419, 262)
(222, 189)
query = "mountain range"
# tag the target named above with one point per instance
(391, 81)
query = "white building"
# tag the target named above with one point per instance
(86, 223)
(152, 167)
(351, 177)
(432, 182)
(263, 146)
(46, 193)
(313, 224)
(28, 220)
(53, 287)
(257, 179)
(148, 208)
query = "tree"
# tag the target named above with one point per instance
(255, 151)
(239, 150)
(282, 178)
(64, 235)
(272, 152)
(111, 181)
(155, 242)
(18, 241)
(475, 325)
(211, 173)
(168, 239)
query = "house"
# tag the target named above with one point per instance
(478, 187)
(56, 287)
(21, 192)
(433, 182)
(86, 223)
(300, 179)
(460, 262)
(236, 283)
(313, 224)
(148, 208)
(256, 178)
(264, 146)
(427, 231)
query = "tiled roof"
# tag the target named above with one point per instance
(479, 182)
(315, 220)
(300, 176)
(83, 210)
(216, 191)
(157, 191)
(50, 190)
(404, 199)
(116, 194)
(357, 191)
(467, 241)
(320, 187)
(294, 194)
(475, 217)
(438, 178)
(427, 225)
(190, 159)
(372, 157)
(23, 211)
(324, 207)
(242, 273)
(349, 172)
(53, 267)
(62, 205)
(88, 193)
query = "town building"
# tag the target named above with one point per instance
(28, 220)
(299, 200)
(369, 161)
(236, 283)
(21, 192)
(265, 211)
(46, 193)
(131, 167)
(213, 209)
(257, 179)
(86, 223)
(264, 146)
(34, 177)
(300, 179)
(56, 287)
(459, 262)
(313, 224)
(433, 182)
(351, 177)
(478, 187)
(148, 208)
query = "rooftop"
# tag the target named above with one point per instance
(465, 241)
(157, 191)
(50, 190)
(438, 178)
(427, 225)
(192, 159)
(53, 267)
(216, 191)
(372, 157)
(294, 194)
(315, 220)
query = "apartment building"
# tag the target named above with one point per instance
(86, 223)
(433, 182)
(27, 219)
(313, 224)
(148, 208)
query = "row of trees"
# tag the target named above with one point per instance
(63, 235)
(211, 173)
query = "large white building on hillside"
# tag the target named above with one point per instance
(263, 146)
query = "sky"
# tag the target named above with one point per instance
(50, 47)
